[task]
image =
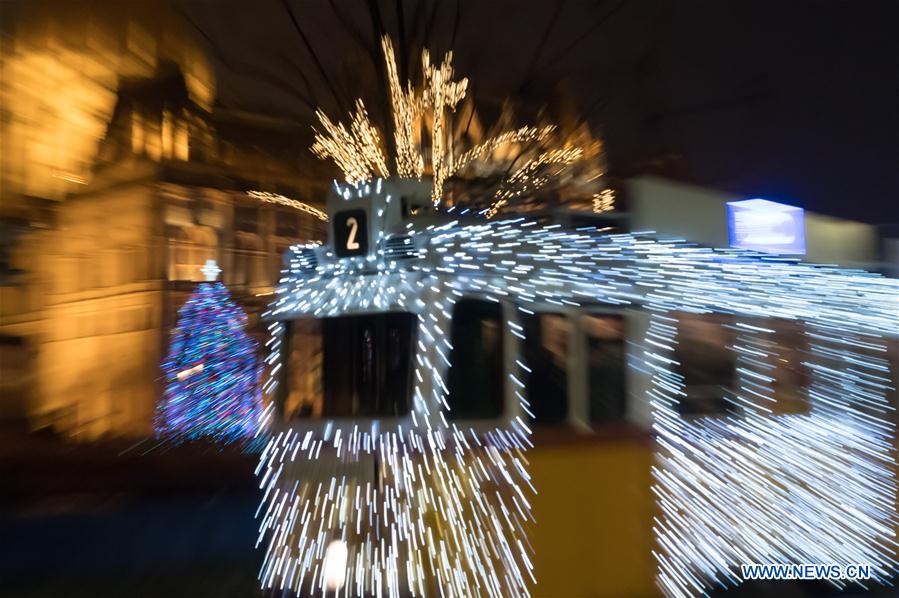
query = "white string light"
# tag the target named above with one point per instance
(286, 201)
(425, 112)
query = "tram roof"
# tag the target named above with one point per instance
(532, 263)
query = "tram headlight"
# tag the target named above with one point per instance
(334, 568)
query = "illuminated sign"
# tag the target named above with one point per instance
(351, 233)
(768, 226)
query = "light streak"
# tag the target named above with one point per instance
(604, 201)
(286, 201)
(356, 150)
(441, 92)
(425, 113)
(406, 108)
(189, 371)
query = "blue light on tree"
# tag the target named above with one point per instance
(211, 372)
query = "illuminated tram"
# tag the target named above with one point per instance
(415, 351)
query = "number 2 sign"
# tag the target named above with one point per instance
(350, 233)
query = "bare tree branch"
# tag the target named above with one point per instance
(247, 69)
(403, 43)
(579, 39)
(529, 71)
(315, 57)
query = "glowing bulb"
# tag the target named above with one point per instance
(334, 571)
(211, 270)
(189, 371)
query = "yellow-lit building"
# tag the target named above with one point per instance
(119, 180)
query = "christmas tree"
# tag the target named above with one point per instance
(211, 372)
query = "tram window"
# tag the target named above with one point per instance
(791, 376)
(707, 363)
(606, 362)
(546, 353)
(362, 369)
(302, 394)
(476, 376)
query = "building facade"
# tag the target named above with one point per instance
(97, 282)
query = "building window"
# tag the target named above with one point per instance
(311, 228)
(189, 249)
(476, 375)
(16, 374)
(137, 132)
(152, 139)
(546, 354)
(707, 363)
(167, 135)
(246, 219)
(286, 224)
(351, 366)
(606, 367)
(182, 140)
(249, 260)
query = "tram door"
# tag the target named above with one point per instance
(604, 336)
(546, 351)
(349, 366)
(591, 459)
(365, 363)
(476, 380)
(353, 368)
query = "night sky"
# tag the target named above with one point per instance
(795, 101)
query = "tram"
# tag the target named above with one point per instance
(414, 353)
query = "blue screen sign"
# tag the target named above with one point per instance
(768, 226)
